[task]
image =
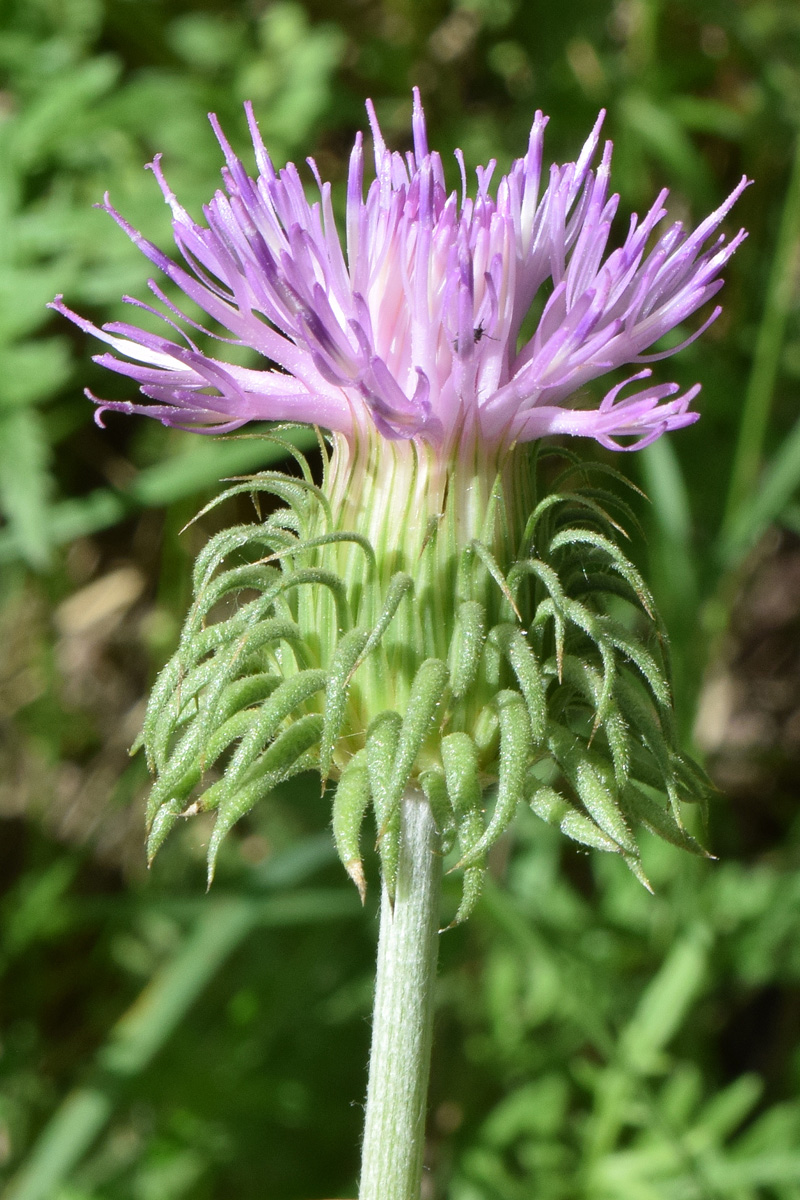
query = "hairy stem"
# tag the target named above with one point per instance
(394, 1133)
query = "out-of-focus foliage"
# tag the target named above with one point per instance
(592, 1041)
(84, 108)
(603, 1036)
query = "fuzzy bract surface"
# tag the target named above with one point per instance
(449, 644)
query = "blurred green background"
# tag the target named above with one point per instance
(592, 1040)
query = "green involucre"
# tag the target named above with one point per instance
(414, 622)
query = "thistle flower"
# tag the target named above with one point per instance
(417, 328)
(425, 619)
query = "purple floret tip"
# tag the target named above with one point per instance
(414, 327)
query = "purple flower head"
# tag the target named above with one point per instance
(414, 326)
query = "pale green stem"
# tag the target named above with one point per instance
(394, 1132)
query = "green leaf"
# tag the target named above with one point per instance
(663, 136)
(48, 118)
(728, 1109)
(665, 1002)
(25, 484)
(778, 486)
(749, 508)
(32, 371)
(705, 114)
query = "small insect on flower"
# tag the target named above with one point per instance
(478, 333)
